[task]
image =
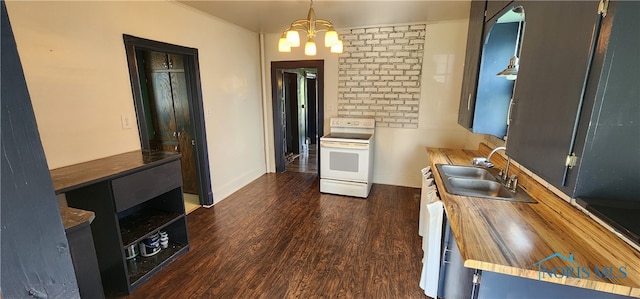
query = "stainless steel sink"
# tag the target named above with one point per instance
(474, 187)
(478, 182)
(470, 172)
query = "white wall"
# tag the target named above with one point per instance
(400, 153)
(75, 66)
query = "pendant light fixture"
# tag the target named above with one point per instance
(511, 72)
(311, 26)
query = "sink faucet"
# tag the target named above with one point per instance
(486, 162)
(509, 182)
(494, 151)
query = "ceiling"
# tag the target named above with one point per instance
(275, 16)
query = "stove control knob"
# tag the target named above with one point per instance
(356, 123)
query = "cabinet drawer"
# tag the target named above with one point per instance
(141, 186)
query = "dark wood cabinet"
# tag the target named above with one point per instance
(133, 195)
(77, 228)
(554, 60)
(608, 135)
(494, 7)
(485, 97)
(577, 95)
(472, 63)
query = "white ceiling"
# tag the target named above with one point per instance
(275, 16)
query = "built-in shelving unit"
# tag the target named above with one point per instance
(133, 195)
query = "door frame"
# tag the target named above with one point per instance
(196, 110)
(276, 90)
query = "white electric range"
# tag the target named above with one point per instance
(346, 164)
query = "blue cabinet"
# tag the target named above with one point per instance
(491, 42)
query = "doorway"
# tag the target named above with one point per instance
(298, 114)
(166, 86)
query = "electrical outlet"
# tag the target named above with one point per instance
(126, 121)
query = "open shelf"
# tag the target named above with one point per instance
(130, 205)
(140, 266)
(137, 225)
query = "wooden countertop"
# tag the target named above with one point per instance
(511, 238)
(73, 219)
(82, 174)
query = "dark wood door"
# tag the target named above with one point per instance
(291, 113)
(169, 106)
(161, 103)
(184, 128)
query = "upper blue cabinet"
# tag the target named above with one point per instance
(495, 31)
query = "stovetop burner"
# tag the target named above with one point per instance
(622, 215)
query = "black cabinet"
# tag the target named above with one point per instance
(83, 254)
(472, 63)
(491, 42)
(554, 59)
(133, 197)
(494, 7)
(608, 138)
(577, 95)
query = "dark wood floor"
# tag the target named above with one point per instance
(305, 162)
(279, 237)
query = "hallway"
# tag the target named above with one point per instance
(306, 162)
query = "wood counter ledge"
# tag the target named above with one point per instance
(82, 174)
(511, 238)
(72, 218)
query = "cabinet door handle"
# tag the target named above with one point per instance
(469, 103)
(511, 104)
(445, 258)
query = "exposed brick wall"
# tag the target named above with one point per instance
(380, 72)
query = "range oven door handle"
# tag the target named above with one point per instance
(346, 145)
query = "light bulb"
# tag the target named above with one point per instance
(310, 48)
(337, 47)
(330, 38)
(283, 45)
(293, 38)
